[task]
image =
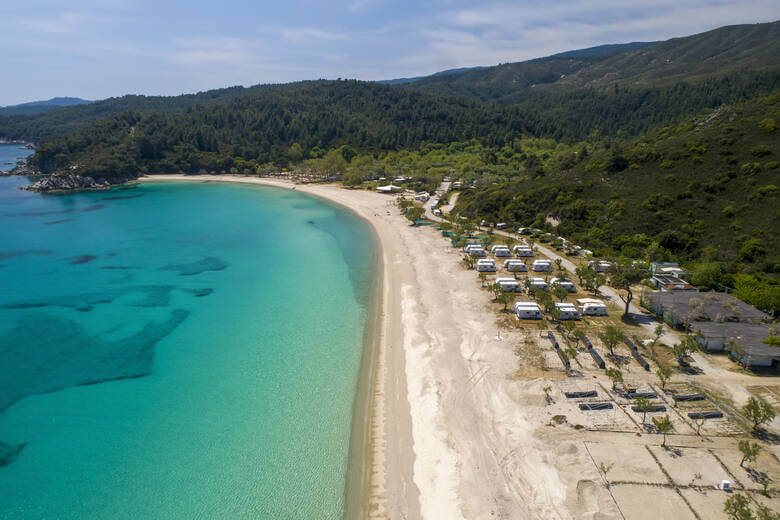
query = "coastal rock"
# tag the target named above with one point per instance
(68, 181)
(22, 168)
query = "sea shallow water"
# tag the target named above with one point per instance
(10, 154)
(178, 350)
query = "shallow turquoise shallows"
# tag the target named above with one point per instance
(178, 350)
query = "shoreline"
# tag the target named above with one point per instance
(366, 481)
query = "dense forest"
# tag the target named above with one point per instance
(676, 157)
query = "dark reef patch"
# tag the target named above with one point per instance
(46, 352)
(116, 267)
(12, 254)
(208, 263)
(8, 452)
(151, 296)
(123, 197)
(94, 207)
(53, 222)
(38, 213)
(199, 293)
(81, 259)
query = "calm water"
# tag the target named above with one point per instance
(10, 154)
(178, 350)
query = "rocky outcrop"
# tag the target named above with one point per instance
(21, 168)
(71, 181)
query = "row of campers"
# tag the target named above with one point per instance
(568, 311)
(532, 311)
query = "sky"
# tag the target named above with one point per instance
(95, 49)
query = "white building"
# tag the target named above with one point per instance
(486, 265)
(528, 311)
(568, 311)
(515, 266)
(542, 265)
(566, 284)
(509, 284)
(591, 307)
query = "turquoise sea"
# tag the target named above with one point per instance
(178, 350)
(10, 154)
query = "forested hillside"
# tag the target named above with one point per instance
(704, 192)
(280, 124)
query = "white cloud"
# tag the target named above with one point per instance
(306, 35)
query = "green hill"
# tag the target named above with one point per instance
(727, 50)
(37, 107)
(703, 192)
(262, 124)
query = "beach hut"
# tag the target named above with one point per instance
(568, 311)
(538, 284)
(542, 266)
(528, 311)
(591, 307)
(565, 283)
(509, 284)
(486, 265)
(515, 266)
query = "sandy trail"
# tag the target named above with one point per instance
(453, 434)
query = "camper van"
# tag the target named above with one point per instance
(566, 284)
(515, 266)
(538, 284)
(528, 311)
(600, 266)
(523, 251)
(486, 265)
(591, 307)
(567, 311)
(502, 252)
(474, 249)
(542, 265)
(509, 284)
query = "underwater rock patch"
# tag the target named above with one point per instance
(8, 452)
(53, 222)
(209, 263)
(46, 352)
(23, 252)
(81, 259)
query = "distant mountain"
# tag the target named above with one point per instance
(401, 81)
(37, 107)
(731, 49)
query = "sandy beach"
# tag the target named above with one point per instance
(466, 426)
(452, 432)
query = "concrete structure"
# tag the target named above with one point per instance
(682, 307)
(670, 282)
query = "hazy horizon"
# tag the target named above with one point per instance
(95, 49)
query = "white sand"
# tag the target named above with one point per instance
(454, 436)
